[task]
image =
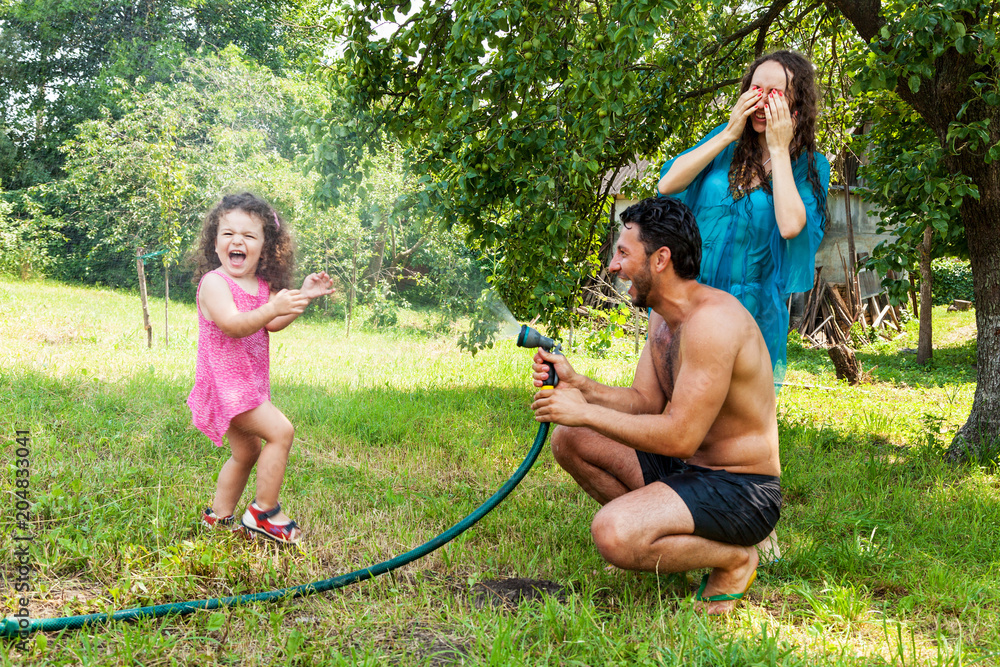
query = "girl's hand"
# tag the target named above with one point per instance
(289, 302)
(316, 285)
(780, 123)
(741, 111)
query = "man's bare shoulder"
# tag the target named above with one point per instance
(723, 325)
(719, 314)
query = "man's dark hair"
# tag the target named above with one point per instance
(665, 221)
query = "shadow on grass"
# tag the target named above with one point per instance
(118, 468)
(893, 519)
(82, 407)
(385, 416)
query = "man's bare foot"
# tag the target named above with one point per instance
(727, 583)
(769, 549)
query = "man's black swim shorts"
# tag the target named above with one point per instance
(727, 507)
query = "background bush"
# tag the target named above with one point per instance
(952, 280)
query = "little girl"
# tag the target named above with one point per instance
(244, 270)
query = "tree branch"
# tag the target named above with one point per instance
(758, 47)
(762, 22)
(864, 15)
(708, 89)
(402, 259)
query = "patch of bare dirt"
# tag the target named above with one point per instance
(512, 592)
(69, 598)
(59, 335)
(435, 646)
(959, 335)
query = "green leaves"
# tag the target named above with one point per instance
(146, 178)
(216, 621)
(912, 187)
(63, 63)
(509, 113)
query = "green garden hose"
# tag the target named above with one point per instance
(14, 627)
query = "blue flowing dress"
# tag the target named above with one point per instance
(742, 249)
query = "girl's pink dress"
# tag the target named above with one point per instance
(232, 375)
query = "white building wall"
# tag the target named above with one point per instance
(864, 219)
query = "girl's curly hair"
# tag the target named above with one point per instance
(277, 257)
(803, 97)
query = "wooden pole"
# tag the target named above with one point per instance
(145, 304)
(852, 254)
(913, 296)
(852, 306)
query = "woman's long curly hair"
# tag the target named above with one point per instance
(802, 97)
(277, 257)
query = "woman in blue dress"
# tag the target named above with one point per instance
(757, 186)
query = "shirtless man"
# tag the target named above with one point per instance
(685, 461)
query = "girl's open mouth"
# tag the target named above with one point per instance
(236, 258)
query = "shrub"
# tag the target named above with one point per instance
(24, 242)
(383, 311)
(952, 280)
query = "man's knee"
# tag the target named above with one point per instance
(613, 539)
(564, 445)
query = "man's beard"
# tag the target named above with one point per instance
(643, 283)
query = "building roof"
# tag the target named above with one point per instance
(629, 172)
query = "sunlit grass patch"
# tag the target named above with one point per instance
(890, 555)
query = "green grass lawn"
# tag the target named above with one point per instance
(890, 556)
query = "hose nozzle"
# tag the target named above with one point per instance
(528, 337)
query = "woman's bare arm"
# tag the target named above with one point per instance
(686, 167)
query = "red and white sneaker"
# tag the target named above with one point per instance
(257, 520)
(209, 519)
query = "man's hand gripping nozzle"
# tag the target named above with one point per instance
(528, 337)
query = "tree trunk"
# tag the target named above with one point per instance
(375, 262)
(939, 104)
(925, 349)
(166, 305)
(982, 230)
(354, 284)
(845, 363)
(142, 294)
(852, 253)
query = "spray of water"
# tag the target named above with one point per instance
(507, 326)
(491, 321)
